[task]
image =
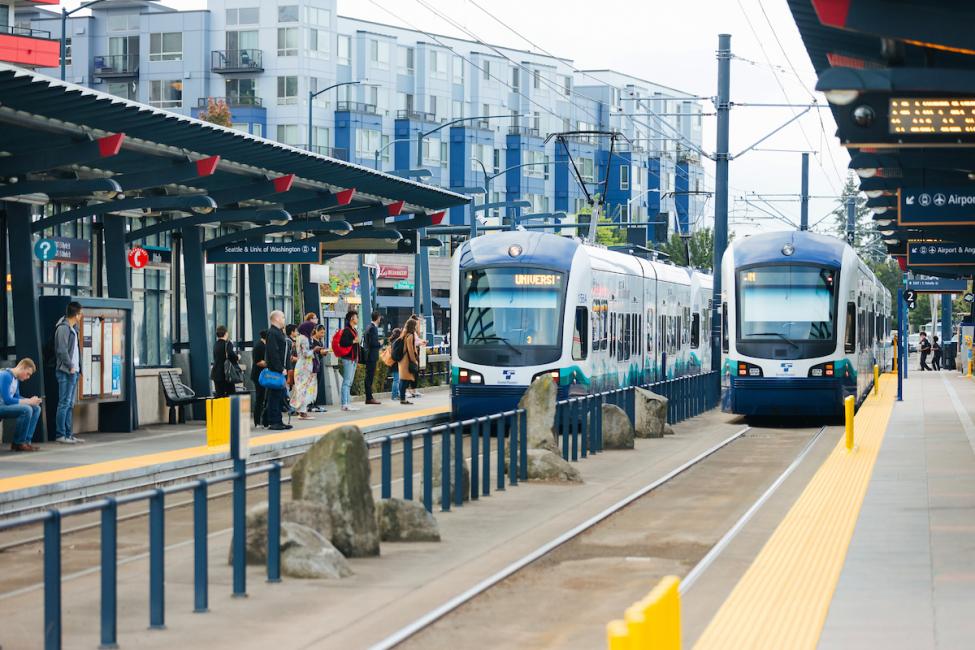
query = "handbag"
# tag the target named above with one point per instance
(272, 380)
(414, 368)
(232, 372)
(386, 355)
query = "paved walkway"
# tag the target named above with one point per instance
(909, 577)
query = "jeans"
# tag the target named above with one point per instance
(67, 392)
(404, 385)
(272, 406)
(348, 374)
(27, 417)
(395, 375)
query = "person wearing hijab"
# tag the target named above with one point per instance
(305, 388)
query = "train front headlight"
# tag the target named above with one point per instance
(748, 370)
(554, 374)
(823, 370)
(465, 376)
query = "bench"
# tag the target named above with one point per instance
(178, 395)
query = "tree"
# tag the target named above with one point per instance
(216, 112)
(700, 244)
(609, 236)
(864, 229)
(889, 274)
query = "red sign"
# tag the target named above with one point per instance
(394, 271)
(138, 258)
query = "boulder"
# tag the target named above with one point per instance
(437, 468)
(335, 472)
(305, 553)
(544, 465)
(405, 521)
(651, 414)
(617, 428)
(305, 513)
(539, 402)
(668, 430)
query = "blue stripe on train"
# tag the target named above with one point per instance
(811, 396)
(473, 401)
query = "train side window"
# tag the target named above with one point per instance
(605, 328)
(696, 330)
(580, 338)
(851, 328)
(649, 331)
(612, 336)
(724, 327)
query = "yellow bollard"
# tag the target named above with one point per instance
(876, 379)
(636, 627)
(849, 403)
(218, 421)
(618, 636)
(661, 609)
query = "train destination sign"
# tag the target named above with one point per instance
(937, 206)
(294, 252)
(931, 116)
(926, 253)
(937, 285)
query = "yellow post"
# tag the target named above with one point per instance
(849, 404)
(661, 609)
(876, 379)
(218, 421)
(895, 355)
(636, 627)
(617, 636)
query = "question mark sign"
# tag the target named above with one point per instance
(45, 248)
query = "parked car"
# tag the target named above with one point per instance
(913, 340)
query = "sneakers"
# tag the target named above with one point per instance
(69, 440)
(349, 407)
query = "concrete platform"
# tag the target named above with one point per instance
(909, 577)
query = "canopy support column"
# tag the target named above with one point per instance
(197, 314)
(121, 416)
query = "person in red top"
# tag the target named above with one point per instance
(349, 344)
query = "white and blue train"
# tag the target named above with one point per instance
(526, 304)
(804, 320)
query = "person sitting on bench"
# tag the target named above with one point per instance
(27, 410)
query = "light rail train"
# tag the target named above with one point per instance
(526, 304)
(804, 320)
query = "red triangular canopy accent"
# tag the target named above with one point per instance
(206, 166)
(832, 13)
(437, 217)
(393, 209)
(283, 183)
(110, 145)
(344, 197)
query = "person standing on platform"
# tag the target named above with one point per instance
(67, 369)
(420, 342)
(224, 351)
(409, 362)
(257, 365)
(387, 356)
(937, 353)
(348, 350)
(27, 410)
(924, 346)
(276, 358)
(371, 350)
(318, 343)
(305, 389)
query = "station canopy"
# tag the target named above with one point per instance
(900, 80)
(63, 141)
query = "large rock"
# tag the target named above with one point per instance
(335, 472)
(539, 401)
(544, 465)
(437, 472)
(305, 553)
(405, 521)
(305, 513)
(617, 428)
(651, 414)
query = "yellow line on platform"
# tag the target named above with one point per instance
(175, 455)
(783, 598)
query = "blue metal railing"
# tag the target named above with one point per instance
(108, 507)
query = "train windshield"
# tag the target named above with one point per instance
(511, 315)
(787, 303)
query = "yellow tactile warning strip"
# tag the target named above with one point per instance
(783, 598)
(134, 462)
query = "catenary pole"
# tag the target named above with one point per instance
(720, 191)
(804, 201)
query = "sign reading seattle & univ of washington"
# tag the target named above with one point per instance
(294, 252)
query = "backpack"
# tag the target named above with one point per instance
(340, 351)
(48, 353)
(398, 350)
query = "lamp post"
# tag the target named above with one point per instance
(311, 98)
(487, 184)
(385, 147)
(422, 134)
(64, 28)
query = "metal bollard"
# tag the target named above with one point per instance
(386, 469)
(109, 570)
(486, 459)
(513, 446)
(157, 561)
(274, 523)
(584, 412)
(408, 467)
(573, 409)
(239, 538)
(458, 464)
(523, 452)
(849, 404)
(476, 434)
(445, 470)
(52, 581)
(200, 578)
(876, 379)
(428, 470)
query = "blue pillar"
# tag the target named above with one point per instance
(945, 317)
(365, 291)
(119, 416)
(901, 344)
(310, 301)
(682, 200)
(197, 314)
(427, 293)
(257, 291)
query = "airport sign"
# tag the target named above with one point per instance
(937, 206)
(940, 253)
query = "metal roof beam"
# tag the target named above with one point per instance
(62, 187)
(298, 225)
(43, 159)
(253, 190)
(217, 216)
(168, 174)
(183, 202)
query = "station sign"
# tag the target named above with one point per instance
(878, 120)
(937, 285)
(294, 252)
(63, 250)
(138, 258)
(927, 253)
(937, 206)
(45, 249)
(394, 271)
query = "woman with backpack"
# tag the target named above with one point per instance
(226, 372)
(405, 352)
(386, 356)
(305, 389)
(346, 346)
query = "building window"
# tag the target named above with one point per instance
(379, 97)
(405, 102)
(537, 79)
(587, 169)
(431, 151)
(67, 51)
(166, 93)
(497, 161)
(433, 105)
(241, 40)
(318, 21)
(406, 55)
(288, 134)
(438, 64)
(444, 154)
(485, 154)
(624, 177)
(242, 92)
(123, 89)
(123, 23)
(166, 46)
(537, 121)
(384, 146)
(288, 90)
(287, 41)
(548, 165)
(379, 53)
(367, 142)
(456, 109)
(458, 70)
(243, 16)
(288, 13)
(486, 68)
(344, 50)
(515, 79)
(319, 138)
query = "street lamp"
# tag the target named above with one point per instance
(422, 134)
(311, 98)
(64, 28)
(385, 147)
(487, 185)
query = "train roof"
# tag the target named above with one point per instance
(809, 248)
(532, 248)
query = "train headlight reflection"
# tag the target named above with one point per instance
(465, 376)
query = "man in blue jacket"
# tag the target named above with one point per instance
(27, 410)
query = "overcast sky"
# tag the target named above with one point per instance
(672, 43)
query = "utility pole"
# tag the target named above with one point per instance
(804, 201)
(851, 220)
(721, 158)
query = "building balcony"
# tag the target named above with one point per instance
(233, 101)
(117, 66)
(418, 116)
(32, 48)
(356, 107)
(331, 152)
(236, 61)
(524, 131)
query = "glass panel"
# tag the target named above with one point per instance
(787, 302)
(514, 306)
